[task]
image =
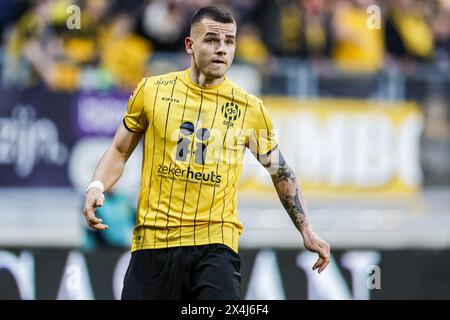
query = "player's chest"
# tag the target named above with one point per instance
(200, 115)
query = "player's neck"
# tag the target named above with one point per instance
(202, 80)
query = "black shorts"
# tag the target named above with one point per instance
(209, 272)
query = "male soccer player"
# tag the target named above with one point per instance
(196, 126)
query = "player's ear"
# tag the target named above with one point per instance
(188, 43)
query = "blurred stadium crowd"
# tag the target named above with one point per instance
(117, 39)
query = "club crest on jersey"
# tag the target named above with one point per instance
(231, 113)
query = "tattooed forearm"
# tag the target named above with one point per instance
(290, 196)
(285, 183)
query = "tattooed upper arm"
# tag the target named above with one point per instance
(272, 160)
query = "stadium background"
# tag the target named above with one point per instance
(363, 118)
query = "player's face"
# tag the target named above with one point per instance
(213, 46)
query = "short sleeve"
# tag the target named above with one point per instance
(263, 139)
(135, 119)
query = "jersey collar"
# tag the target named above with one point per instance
(187, 75)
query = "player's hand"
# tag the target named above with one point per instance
(94, 199)
(314, 243)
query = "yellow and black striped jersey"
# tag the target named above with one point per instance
(194, 143)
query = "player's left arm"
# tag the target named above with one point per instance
(287, 187)
(262, 142)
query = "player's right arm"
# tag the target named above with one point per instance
(109, 169)
(111, 165)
